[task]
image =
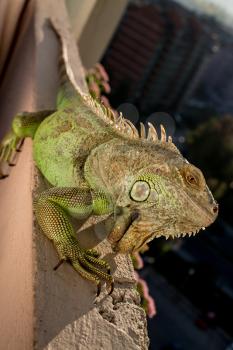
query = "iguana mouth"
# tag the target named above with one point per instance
(144, 231)
(153, 235)
(200, 211)
(184, 233)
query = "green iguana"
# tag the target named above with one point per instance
(98, 163)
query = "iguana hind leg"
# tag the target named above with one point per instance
(52, 209)
(23, 125)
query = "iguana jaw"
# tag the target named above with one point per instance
(146, 227)
(182, 234)
(125, 244)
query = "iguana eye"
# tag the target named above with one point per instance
(140, 191)
(193, 177)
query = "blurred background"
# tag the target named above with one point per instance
(168, 62)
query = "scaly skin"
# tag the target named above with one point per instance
(98, 164)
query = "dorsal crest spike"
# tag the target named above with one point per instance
(119, 119)
(133, 128)
(163, 134)
(152, 133)
(127, 128)
(142, 131)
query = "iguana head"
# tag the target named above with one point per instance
(170, 199)
(151, 178)
(169, 195)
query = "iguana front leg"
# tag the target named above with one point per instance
(124, 218)
(52, 209)
(23, 125)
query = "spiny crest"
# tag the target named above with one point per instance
(122, 125)
(126, 128)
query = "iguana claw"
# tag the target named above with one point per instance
(60, 262)
(8, 147)
(3, 176)
(110, 290)
(86, 263)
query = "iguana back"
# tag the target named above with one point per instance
(63, 141)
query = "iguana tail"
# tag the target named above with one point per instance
(66, 88)
(68, 85)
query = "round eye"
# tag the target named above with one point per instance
(140, 191)
(193, 177)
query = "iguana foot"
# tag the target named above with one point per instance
(23, 125)
(9, 145)
(86, 263)
(52, 207)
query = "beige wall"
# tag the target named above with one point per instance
(16, 84)
(10, 13)
(79, 12)
(95, 32)
(16, 269)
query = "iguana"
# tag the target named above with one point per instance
(99, 163)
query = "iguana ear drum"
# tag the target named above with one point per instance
(140, 191)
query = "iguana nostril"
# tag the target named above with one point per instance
(215, 209)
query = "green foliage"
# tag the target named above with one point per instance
(98, 83)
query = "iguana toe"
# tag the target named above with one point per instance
(8, 147)
(85, 263)
(93, 252)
